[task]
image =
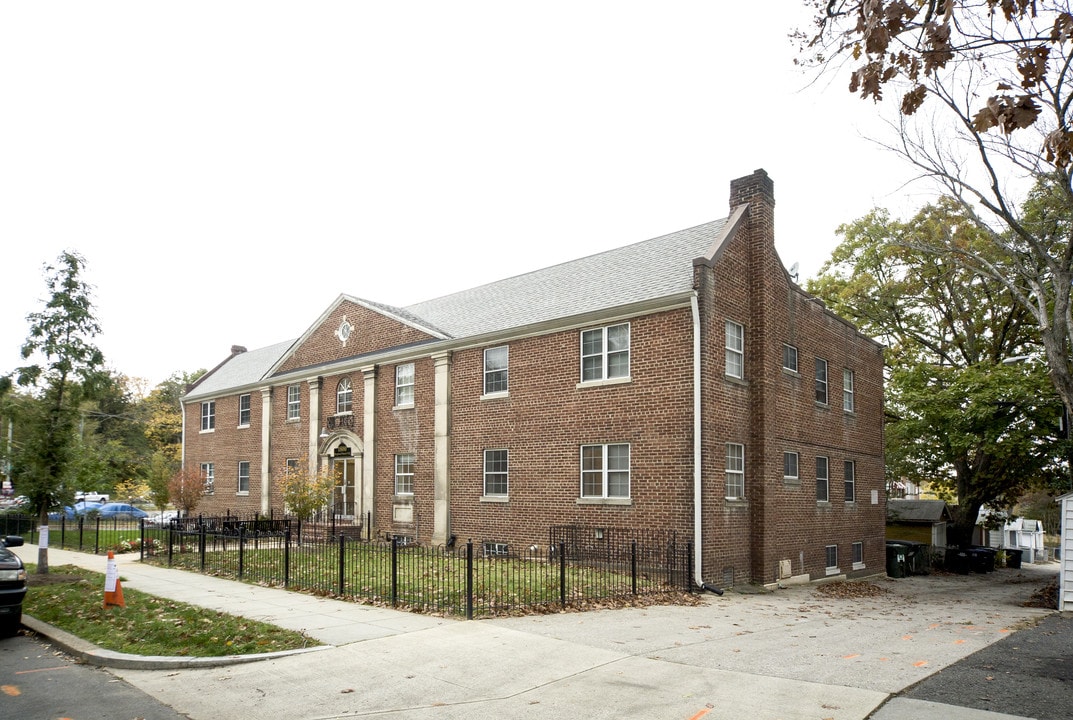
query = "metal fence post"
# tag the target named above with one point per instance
(241, 551)
(469, 579)
(342, 564)
(171, 544)
(97, 538)
(287, 557)
(201, 547)
(141, 548)
(394, 570)
(633, 565)
(562, 573)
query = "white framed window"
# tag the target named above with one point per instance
(605, 471)
(244, 410)
(404, 474)
(495, 472)
(850, 480)
(208, 475)
(847, 390)
(735, 349)
(208, 415)
(789, 358)
(831, 554)
(404, 385)
(735, 471)
(821, 381)
(496, 549)
(244, 477)
(292, 465)
(858, 555)
(823, 481)
(789, 465)
(294, 402)
(344, 396)
(605, 353)
(496, 362)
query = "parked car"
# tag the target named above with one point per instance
(70, 513)
(122, 511)
(161, 518)
(12, 586)
(95, 497)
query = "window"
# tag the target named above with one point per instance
(851, 481)
(605, 471)
(831, 552)
(244, 477)
(496, 549)
(847, 390)
(208, 474)
(344, 397)
(495, 370)
(243, 410)
(821, 381)
(605, 353)
(735, 350)
(858, 555)
(823, 485)
(404, 474)
(789, 358)
(294, 402)
(495, 472)
(735, 471)
(404, 385)
(208, 416)
(292, 465)
(789, 465)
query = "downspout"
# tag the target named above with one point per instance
(698, 535)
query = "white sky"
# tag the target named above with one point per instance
(228, 168)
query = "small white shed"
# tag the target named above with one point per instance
(1065, 569)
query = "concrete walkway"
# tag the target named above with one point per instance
(792, 654)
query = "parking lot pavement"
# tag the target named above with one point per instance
(795, 653)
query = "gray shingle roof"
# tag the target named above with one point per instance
(926, 511)
(643, 271)
(647, 270)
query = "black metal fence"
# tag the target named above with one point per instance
(471, 579)
(461, 580)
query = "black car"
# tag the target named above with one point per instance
(12, 586)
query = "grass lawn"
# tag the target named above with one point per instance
(72, 599)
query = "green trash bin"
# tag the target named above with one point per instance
(897, 564)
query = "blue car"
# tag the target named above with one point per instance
(121, 511)
(70, 513)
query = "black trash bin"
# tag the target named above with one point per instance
(957, 561)
(896, 559)
(982, 559)
(1013, 557)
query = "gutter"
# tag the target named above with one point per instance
(698, 515)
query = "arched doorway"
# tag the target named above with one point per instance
(342, 453)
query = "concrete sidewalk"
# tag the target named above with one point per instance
(792, 654)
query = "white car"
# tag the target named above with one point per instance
(96, 497)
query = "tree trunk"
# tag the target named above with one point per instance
(42, 549)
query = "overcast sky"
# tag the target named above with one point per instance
(229, 168)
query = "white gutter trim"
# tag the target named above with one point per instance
(698, 535)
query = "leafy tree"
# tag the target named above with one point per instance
(162, 412)
(996, 80)
(962, 415)
(162, 468)
(69, 367)
(305, 493)
(185, 490)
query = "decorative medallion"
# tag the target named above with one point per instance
(344, 330)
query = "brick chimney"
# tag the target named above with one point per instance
(237, 350)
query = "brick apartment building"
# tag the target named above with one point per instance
(683, 384)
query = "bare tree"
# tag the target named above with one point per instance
(985, 90)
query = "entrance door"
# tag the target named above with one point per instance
(344, 497)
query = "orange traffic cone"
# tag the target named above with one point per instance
(113, 590)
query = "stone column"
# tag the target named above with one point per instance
(314, 425)
(441, 522)
(368, 457)
(266, 450)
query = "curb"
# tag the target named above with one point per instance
(91, 654)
